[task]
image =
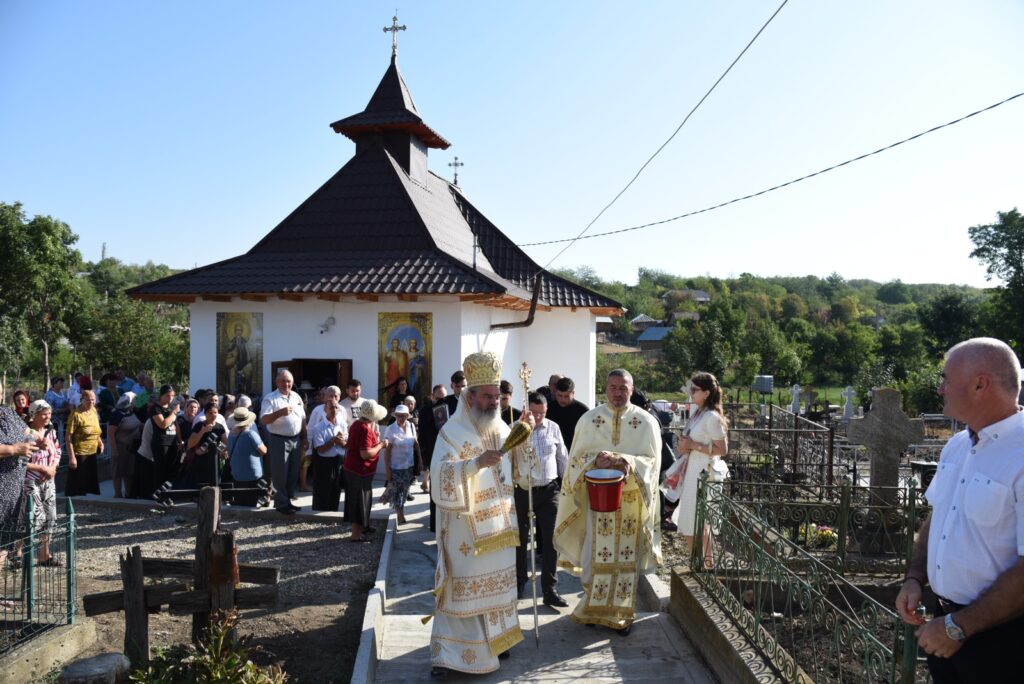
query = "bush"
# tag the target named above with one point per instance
(217, 659)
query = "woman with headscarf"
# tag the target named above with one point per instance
(361, 454)
(84, 442)
(17, 443)
(124, 432)
(21, 400)
(38, 484)
(702, 447)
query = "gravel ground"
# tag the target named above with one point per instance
(313, 633)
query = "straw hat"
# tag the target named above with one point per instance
(371, 410)
(242, 417)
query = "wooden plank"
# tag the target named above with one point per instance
(291, 297)
(174, 567)
(223, 575)
(408, 298)
(136, 617)
(367, 297)
(329, 297)
(256, 597)
(113, 601)
(611, 311)
(180, 299)
(253, 297)
(217, 298)
(209, 521)
(186, 602)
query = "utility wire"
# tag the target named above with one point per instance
(664, 144)
(774, 187)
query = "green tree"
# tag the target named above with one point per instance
(894, 292)
(37, 275)
(1000, 246)
(949, 318)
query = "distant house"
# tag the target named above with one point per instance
(696, 296)
(651, 339)
(684, 316)
(643, 322)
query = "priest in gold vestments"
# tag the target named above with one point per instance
(609, 551)
(475, 616)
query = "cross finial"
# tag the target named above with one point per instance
(394, 29)
(455, 165)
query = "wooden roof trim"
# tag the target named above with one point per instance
(291, 296)
(607, 311)
(171, 298)
(217, 298)
(367, 297)
(253, 297)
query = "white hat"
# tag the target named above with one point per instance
(400, 410)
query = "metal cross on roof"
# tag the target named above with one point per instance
(394, 29)
(455, 165)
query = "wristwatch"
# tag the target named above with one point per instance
(953, 631)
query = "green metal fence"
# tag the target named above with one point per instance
(807, 620)
(36, 596)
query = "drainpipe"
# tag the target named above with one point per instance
(529, 317)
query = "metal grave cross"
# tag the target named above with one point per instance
(886, 430)
(394, 29)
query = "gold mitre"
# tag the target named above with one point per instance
(482, 368)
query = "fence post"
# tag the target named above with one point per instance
(908, 661)
(69, 560)
(844, 525)
(136, 617)
(28, 575)
(831, 463)
(696, 550)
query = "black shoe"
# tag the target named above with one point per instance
(439, 672)
(504, 655)
(555, 601)
(521, 590)
(409, 497)
(286, 511)
(369, 530)
(625, 630)
(296, 509)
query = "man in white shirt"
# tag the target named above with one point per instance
(549, 459)
(283, 415)
(970, 549)
(352, 401)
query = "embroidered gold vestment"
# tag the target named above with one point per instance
(608, 551)
(475, 615)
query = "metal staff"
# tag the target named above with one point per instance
(524, 375)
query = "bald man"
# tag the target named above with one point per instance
(970, 549)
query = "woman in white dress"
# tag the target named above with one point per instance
(702, 447)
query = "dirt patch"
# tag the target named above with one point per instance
(313, 633)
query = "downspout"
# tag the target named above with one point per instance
(529, 317)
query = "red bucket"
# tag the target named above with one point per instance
(604, 488)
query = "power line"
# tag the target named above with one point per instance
(664, 144)
(774, 187)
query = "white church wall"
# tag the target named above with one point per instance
(292, 330)
(563, 341)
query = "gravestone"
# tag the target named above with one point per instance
(808, 396)
(886, 431)
(794, 406)
(848, 411)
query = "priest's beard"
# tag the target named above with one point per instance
(486, 420)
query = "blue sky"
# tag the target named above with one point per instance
(183, 132)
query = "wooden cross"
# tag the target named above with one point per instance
(393, 30)
(215, 573)
(886, 431)
(456, 164)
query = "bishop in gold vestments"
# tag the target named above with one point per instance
(609, 551)
(475, 618)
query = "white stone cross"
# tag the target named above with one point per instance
(795, 405)
(886, 431)
(848, 394)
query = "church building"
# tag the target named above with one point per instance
(386, 271)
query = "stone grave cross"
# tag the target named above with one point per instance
(795, 405)
(848, 395)
(809, 396)
(886, 430)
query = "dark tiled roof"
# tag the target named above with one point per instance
(654, 334)
(371, 229)
(390, 108)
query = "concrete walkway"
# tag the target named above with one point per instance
(655, 651)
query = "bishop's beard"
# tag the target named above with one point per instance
(485, 421)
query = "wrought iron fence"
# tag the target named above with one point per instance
(807, 620)
(37, 596)
(855, 530)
